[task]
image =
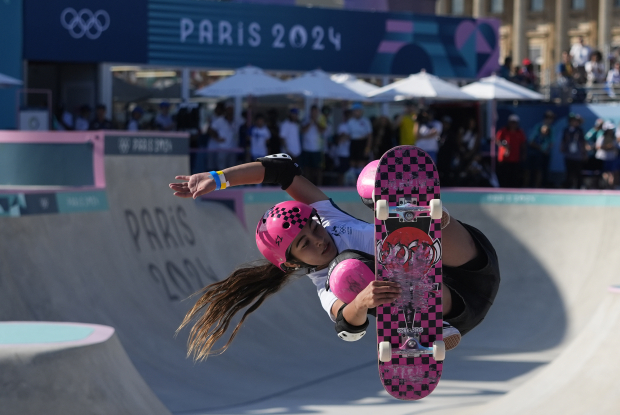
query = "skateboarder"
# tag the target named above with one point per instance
(306, 235)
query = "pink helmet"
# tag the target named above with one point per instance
(278, 227)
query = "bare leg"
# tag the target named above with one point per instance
(458, 245)
(458, 248)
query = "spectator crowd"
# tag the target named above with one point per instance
(523, 160)
(333, 150)
(581, 74)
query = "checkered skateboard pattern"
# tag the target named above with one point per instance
(408, 172)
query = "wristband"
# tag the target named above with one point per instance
(220, 180)
(223, 180)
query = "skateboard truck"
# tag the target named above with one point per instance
(408, 210)
(410, 343)
(411, 346)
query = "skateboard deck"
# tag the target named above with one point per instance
(408, 251)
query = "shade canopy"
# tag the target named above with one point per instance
(246, 81)
(498, 88)
(318, 84)
(354, 84)
(420, 85)
(6, 80)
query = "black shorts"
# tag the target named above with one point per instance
(477, 286)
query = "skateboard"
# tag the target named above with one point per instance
(408, 250)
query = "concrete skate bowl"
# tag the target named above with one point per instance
(130, 264)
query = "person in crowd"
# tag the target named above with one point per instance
(360, 130)
(82, 122)
(100, 122)
(540, 142)
(511, 154)
(259, 137)
(607, 153)
(382, 136)
(312, 146)
(565, 70)
(429, 132)
(214, 139)
(135, 119)
(274, 145)
(407, 126)
(573, 147)
(528, 75)
(346, 176)
(63, 119)
(244, 137)
(595, 69)
(448, 151)
(223, 133)
(613, 79)
(580, 55)
(163, 121)
(468, 144)
(290, 134)
(591, 137)
(505, 71)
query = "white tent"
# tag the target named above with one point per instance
(420, 85)
(498, 88)
(354, 84)
(318, 84)
(8, 81)
(247, 81)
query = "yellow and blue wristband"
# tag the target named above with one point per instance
(220, 180)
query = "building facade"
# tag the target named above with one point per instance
(541, 29)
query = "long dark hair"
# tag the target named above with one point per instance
(249, 285)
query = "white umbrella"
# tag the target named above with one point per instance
(247, 81)
(354, 84)
(496, 87)
(8, 81)
(420, 85)
(318, 84)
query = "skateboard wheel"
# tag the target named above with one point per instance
(439, 350)
(436, 211)
(382, 210)
(385, 352)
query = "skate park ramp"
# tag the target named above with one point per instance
(545, 347)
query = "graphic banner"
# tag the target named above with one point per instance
(85, 30)
(229, 35)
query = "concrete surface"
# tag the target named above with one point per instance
(133, 266)
(44, 373)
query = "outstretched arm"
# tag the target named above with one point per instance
(301, 189)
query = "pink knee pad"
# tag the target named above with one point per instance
(349, 278)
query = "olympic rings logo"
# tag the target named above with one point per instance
(85, 22)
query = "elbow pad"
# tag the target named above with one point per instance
(279, 169)
(348, 332)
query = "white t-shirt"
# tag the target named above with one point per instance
(289, 131)
(311, 140)
(225, 130)
(580, 54)
(258, 138)
(347, 232)
(359, 127)
(344, 148)
(431, 142)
